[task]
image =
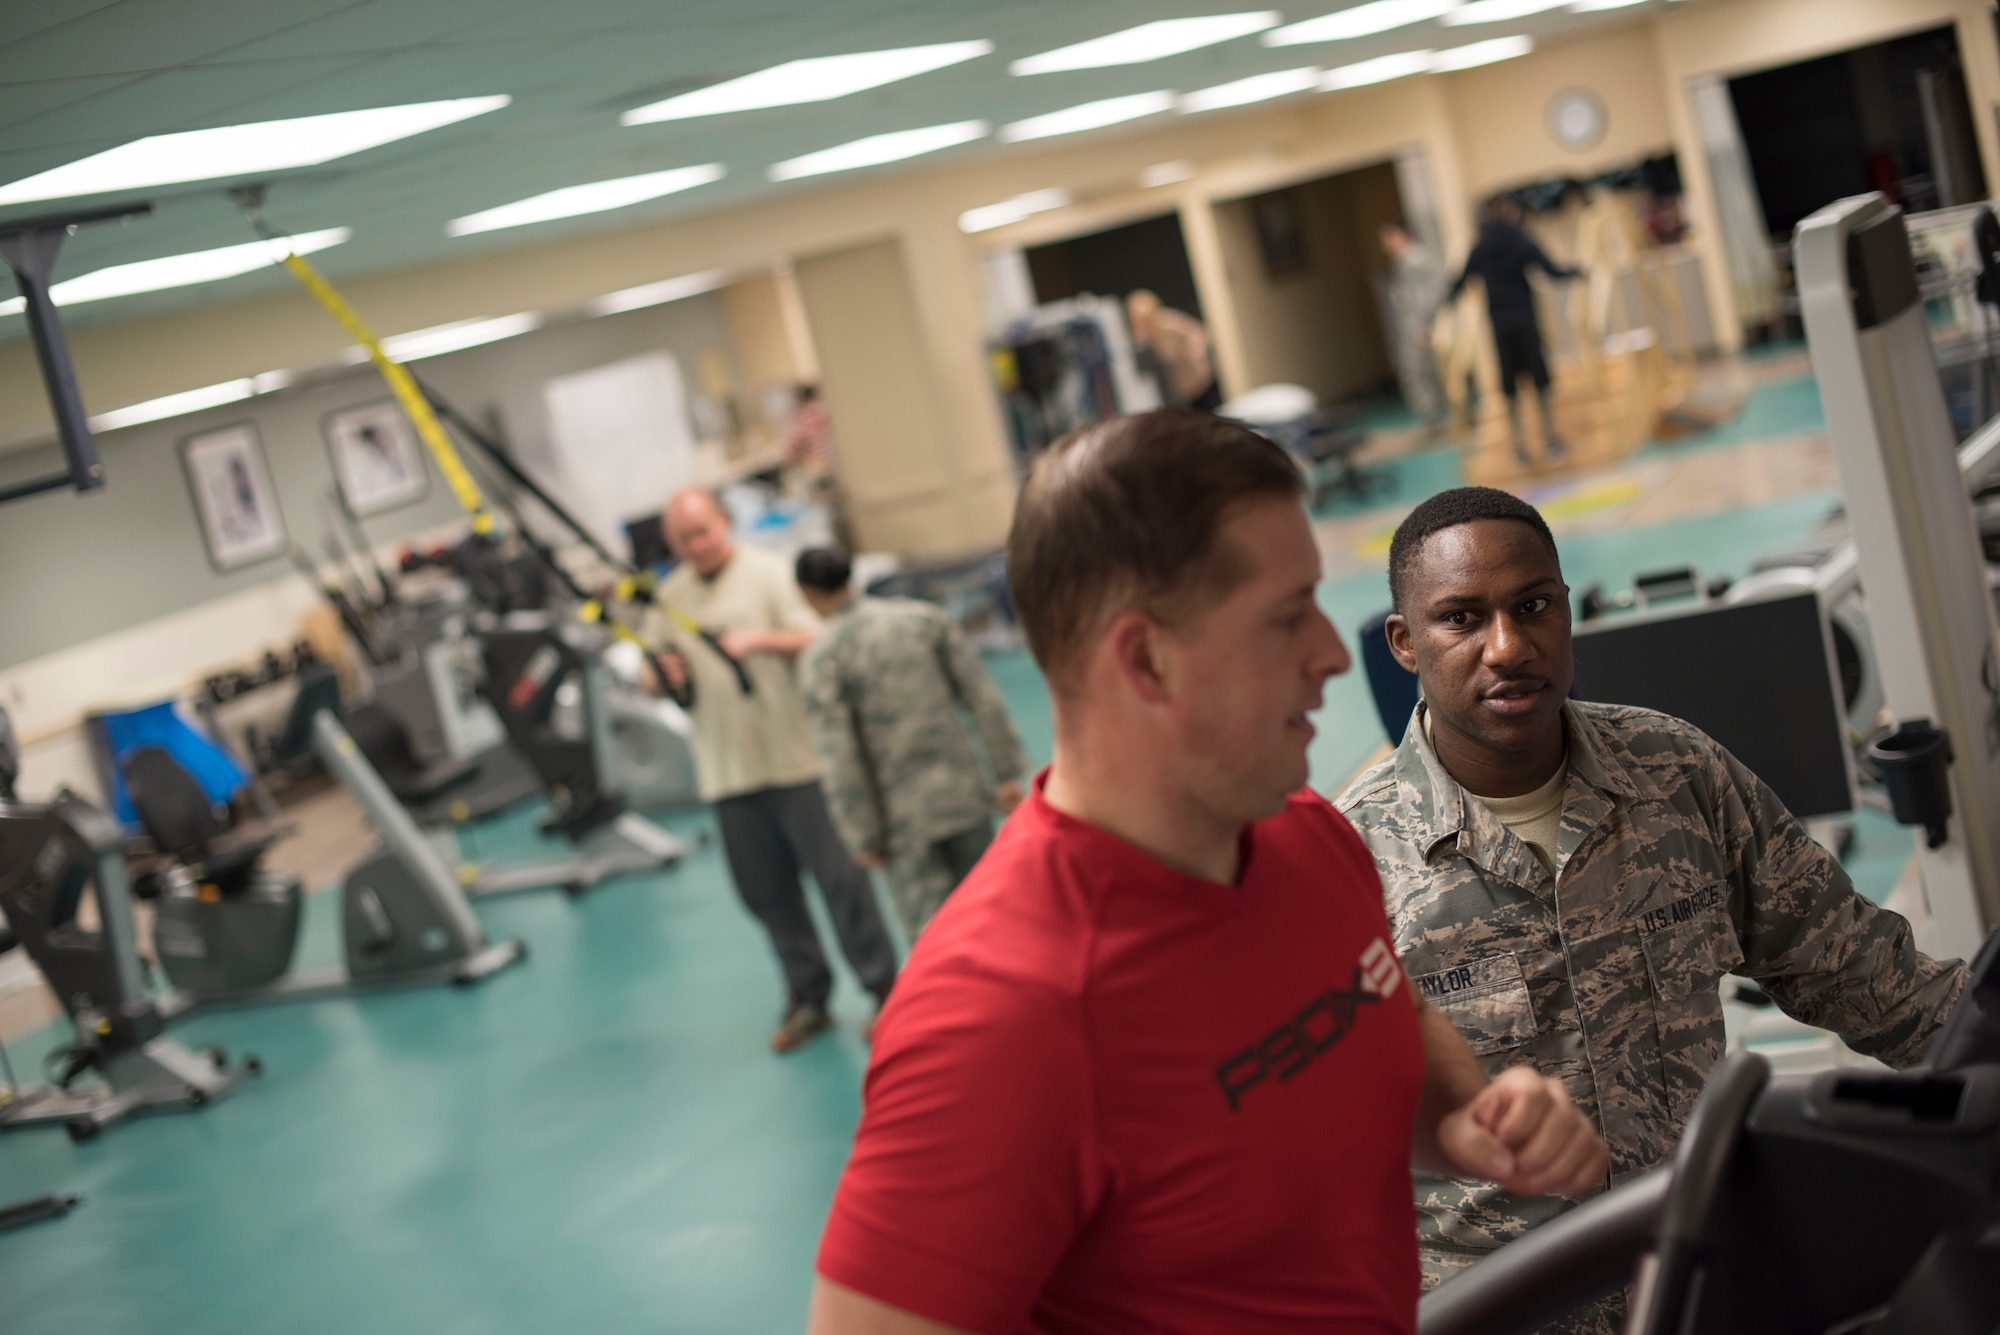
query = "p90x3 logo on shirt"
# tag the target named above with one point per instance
(1325, 1020)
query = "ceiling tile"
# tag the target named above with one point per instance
(378, 25)
(23, 20)
(194, 97)
(155, 35)
(19, 101)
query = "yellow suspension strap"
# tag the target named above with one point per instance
(404, 387)
(416, 405)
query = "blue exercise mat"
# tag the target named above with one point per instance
(122, 732)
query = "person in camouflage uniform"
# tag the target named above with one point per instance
(1415, 288)
(883, 687)
(1581, 919)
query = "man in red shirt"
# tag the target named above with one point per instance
(1155, 1066)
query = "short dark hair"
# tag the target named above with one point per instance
(1449, 509)
(1125, 513)
(824, 569)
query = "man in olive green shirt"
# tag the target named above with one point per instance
(754, 755)
(1595, 955)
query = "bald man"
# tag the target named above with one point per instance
(754, 754)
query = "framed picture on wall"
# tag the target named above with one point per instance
(233, 496)
(1281, 231)
(376, 458)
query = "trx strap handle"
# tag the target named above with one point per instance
(707, 637)
(418, 408)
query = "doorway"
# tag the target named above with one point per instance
(1150, 254)
(1892, 116)
(1306, 274)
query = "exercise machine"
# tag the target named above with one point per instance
(404, 917)
(648, 758)
(1857, 1202)
(1323, 441)
(21, 1214)
(55, 859)
(430, 728)
(548, 682)
(1916, 551)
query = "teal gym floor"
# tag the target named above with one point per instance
(597, 1140)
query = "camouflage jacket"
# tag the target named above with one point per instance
(1416, 290)
(883, 684)
(1675, 865)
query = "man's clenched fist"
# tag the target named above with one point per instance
(1523, 1132)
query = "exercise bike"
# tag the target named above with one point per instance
(53, 859)
(230, 940)
(19, 1214)
(549, 684)
(1840, 1203)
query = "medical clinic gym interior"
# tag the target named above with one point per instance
(880, 668)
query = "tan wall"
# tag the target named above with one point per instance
(758, 328)
(1319, 325)
(881, 397)
(1500, 112)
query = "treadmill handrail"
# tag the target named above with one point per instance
(1971, 1033)
(1576, 1258)
(1701, 1162)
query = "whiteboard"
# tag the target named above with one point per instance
(623, 440)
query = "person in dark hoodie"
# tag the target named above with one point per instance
(1500, 259)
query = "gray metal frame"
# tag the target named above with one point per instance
(157, 1074)
(629, 843)
(1916, 545)
(463, 955)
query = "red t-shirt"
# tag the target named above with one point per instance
(1106, 1096)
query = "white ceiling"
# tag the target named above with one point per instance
(81, 76)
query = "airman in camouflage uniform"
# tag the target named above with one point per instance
(1676, 866)
(1416, 287)
(884, 684)
(1673, 865)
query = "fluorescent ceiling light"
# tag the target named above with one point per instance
(1007, 211)
(199, 266)
(1166, 173)
(440, 339)
(1359, 21)
(595, 197)
(242, 150)
(1148, 41)
(174, 405)
(1499, 11)
(655, 294)
(817, 79)
(878, 149)
(1482, 53)
(1089, 116)
(1379, 70)
(1256, 88)
(1592, 6)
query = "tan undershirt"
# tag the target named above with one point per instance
(1535, 818)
